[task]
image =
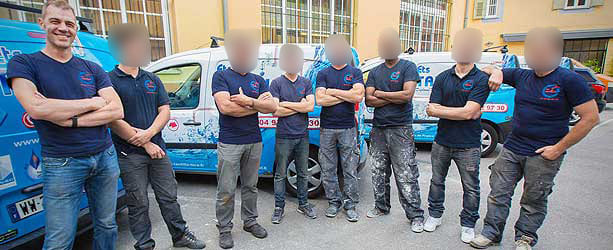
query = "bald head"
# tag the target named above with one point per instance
(389, 44)
(467, 46)
(543, 48)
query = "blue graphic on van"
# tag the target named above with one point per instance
(7, 175)
(34, 167)
(6, 54)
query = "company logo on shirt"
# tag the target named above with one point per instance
(551, 91)
(348, 79)
(150, 87)
(254, 85)
(467, 85)
(86, 79)
(394, 76)
(301, 90)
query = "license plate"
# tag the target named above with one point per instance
(26, 208)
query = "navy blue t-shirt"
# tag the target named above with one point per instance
(293, 126)
(141, 97)
(542, 107)
(75, 79)
(239, 130)
(342, 115)
(392, 80)
(450, 90)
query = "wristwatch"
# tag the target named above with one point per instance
(75, 121)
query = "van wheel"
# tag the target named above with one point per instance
(489, 139)
(315, 186)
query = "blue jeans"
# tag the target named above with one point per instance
(467, 160)
(64, 180)
(286, 149)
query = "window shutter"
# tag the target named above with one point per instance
(559, 4)
(479, 9)
(596, 3)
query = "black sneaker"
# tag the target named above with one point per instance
(277, 215)
(225, 240)
(308, 211)
(190, 241)
(257, 230)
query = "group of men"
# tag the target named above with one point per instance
(73, 107)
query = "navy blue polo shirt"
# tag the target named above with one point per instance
(293, 126)
(141, 97)
(239, 130)
(72, 80)
(542, 107)
(450, 90)
(392, 80)
(342, 115)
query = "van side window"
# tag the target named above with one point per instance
(182, 84)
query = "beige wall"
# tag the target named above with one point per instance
(371, 16)
(608, 61)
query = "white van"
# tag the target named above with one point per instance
(191, 135)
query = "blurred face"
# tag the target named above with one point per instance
(135, 52)
(338, 51)
(242, 50)
(291, 59)
(466, 47)
(542, 53)
(389, 45)
(60, 25)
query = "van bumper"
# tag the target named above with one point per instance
(83, 225)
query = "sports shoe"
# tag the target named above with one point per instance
(524, 243)
(417, 226)
(432, 223)
(307, 211)
(482, 242)
(256, 230)
(352, 215)
(332, 211)
(190, 241)
(375, 212)
(225, 240)
(277, 215)
(468, 234)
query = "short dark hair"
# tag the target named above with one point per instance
(58, 4)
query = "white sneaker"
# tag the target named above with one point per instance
(432, 223)
(468, 234)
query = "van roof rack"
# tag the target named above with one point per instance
(215, 41)
(503, 49)
(84, 23)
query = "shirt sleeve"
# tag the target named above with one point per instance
(321, 80)
(511, 76)
(219, 84)
(359, 77)
(263, 86)
(410, 73)
(162, 94)
(102, 78)
(436, 95)
(274, 89)
(370, 81)
(481, 91)
(20, 67)
(576, 90)
(308, 89)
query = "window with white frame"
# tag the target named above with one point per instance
(21, 15)
(576, 4)
(305, 21)
(423, 25)
(491, 9)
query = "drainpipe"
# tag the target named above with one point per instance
(224, 4)
(466, 14)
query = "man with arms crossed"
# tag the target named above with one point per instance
(70, 100)
(546, 95)
(390, 88)
(239, 96)
(339, 88)
(138, 139)
(456, 98)
(294, 95)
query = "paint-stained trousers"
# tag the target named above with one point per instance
(235, 160)
(343, 142)
(392, 149)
